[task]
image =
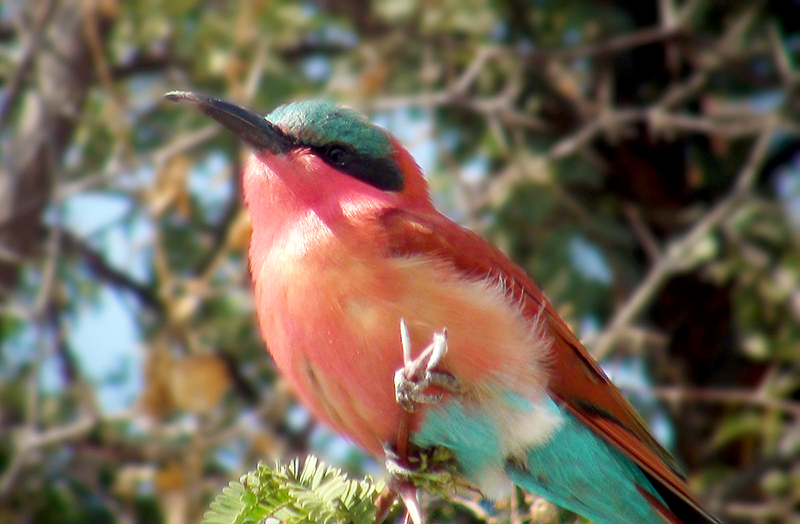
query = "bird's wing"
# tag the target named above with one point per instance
(577, 381)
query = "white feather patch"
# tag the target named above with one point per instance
(494, 483)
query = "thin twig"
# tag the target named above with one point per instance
(782, 59)
(39, 311)
(611, 46)
(104, 271)
(776, 511)
(642, 231)
(175, 147)
(747, 397)
(29, 441)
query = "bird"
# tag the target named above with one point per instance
(347, 245)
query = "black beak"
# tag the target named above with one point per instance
(251, 128)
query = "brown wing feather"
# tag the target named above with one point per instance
(577, 380)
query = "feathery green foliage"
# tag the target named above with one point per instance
(315, 493)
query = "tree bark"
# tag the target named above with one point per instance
(48, 107)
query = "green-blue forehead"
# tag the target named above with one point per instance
(320, 122)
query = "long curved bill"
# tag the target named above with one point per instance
(252, 128)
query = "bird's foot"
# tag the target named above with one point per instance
(411, 381)
(433, 469)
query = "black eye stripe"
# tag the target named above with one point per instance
(380, 172)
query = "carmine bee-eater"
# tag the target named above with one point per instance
(347, 246)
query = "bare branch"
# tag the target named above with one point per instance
(611, 46)
(643, 233)
(29, 441)
(747, 397)
(676, 253)
(116, 166)
(101, 268)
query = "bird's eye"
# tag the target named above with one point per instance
(338, 155)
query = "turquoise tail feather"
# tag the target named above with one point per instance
(580, 472)
(573, 468)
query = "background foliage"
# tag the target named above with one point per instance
(638, 158)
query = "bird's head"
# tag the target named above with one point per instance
(319, 149)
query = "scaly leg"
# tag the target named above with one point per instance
(431, 469)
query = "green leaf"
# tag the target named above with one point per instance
(315, 493)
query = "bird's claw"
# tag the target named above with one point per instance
(411, 381)
(410, 392)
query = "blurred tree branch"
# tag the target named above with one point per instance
(75, 246)
(64, 76)
(678, 255)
